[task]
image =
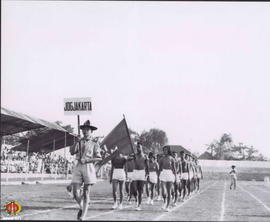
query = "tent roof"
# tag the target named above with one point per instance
(14, 122)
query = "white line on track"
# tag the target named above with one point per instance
(222, 212)
(46, 211)
(256, 198)
(164, 214)
(105, 213)
(61, 208)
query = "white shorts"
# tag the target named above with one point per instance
(119, 174)
(153, 177)
(129, 176)
(184, 176)
(177, 178)
(191, 175)
(167, 176)
(139, 175)
(84, 173)
(199, 176)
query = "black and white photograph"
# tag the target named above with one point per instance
(135, 110)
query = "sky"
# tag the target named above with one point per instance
(193, 69)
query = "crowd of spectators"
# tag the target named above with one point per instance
(36, 163)
(17, 162)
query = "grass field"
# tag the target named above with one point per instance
(246, 170)
(216, 202)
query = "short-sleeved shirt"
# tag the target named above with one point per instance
(233, 173)
(89, 149)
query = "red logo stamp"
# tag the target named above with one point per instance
(13, 208)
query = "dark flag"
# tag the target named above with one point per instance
(119, 137)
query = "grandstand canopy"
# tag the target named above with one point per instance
(46, 141)
(14, 122)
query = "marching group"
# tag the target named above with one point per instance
(170, 177)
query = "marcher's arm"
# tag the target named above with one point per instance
(111, 173)
(146, 167)
(173, 166)
(74, 148)
(160, 167)
(157, 168)
(201, 171)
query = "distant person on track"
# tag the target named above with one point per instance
(152, 179)
(184, 173)
(233, 177)
(140, 173)
(167, 174)
(87, 153)
(118, 177)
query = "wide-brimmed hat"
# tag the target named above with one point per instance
(87, 125)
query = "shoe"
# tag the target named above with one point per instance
(148, 200)
(120, 207)
(79, 214)
(138, 208)
(129, 202)
(174, 204)
(69, 188)
(159, 198)
(114, 206)
(70, 194)
(164, 206)
(167, 209)
(152, 202)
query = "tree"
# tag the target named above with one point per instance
(225, 144)
(154, 139)
(225, 149)
(250, 153)
(213, 147)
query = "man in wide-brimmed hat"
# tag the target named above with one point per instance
(87, 152)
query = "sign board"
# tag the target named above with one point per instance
(77, 106)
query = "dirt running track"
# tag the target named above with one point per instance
(216, 202)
